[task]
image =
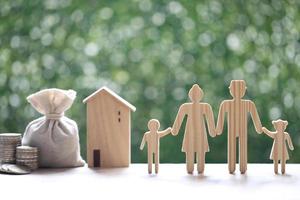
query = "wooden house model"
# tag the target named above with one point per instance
(108, 129)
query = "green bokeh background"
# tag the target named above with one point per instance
(151, 52)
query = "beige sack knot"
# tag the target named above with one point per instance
(54, 116)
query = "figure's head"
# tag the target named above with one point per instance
(237, 88)
(195, 93)
(153, 125)
(280, 125)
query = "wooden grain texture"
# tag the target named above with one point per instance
(108, 130)
(152, 138)
(237, 110)
(195, 136)
(279, 150)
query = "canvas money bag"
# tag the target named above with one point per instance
(55, 135)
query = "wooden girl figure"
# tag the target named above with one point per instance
(195, 136)
(279, 150)
(152, 138)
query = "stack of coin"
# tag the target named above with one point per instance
(8, 144)
(27, 156)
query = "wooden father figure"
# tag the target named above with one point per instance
(237, 110)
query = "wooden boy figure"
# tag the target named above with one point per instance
(279, 150)
(237, 110)
(152, 138)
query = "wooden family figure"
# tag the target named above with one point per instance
(279, 150)
(198, 114)
(152, 138)
(237, 110)
(195, 141)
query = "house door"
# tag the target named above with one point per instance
(96, 156)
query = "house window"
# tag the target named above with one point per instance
(119, 113)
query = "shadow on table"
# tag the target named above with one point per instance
(108, 171)
(50, 171)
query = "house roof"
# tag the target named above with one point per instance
(112, 93)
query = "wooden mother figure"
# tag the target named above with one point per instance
(195, 137)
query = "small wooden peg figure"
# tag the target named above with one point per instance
(237, 110)
(195, 141)
(152, 138)
(279, 150)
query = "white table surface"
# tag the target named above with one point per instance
(172, 182)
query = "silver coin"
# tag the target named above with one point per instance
(32, 166)
(14, 169)
(7, 151)
(3, 167)
(8, 157)
(9, 145)
(25, 153)
(27, 148)
(10, 137)
(8, 161)
(26, 163)
(10, 141)
(27, 158)
(4, 149)
(8, 154)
